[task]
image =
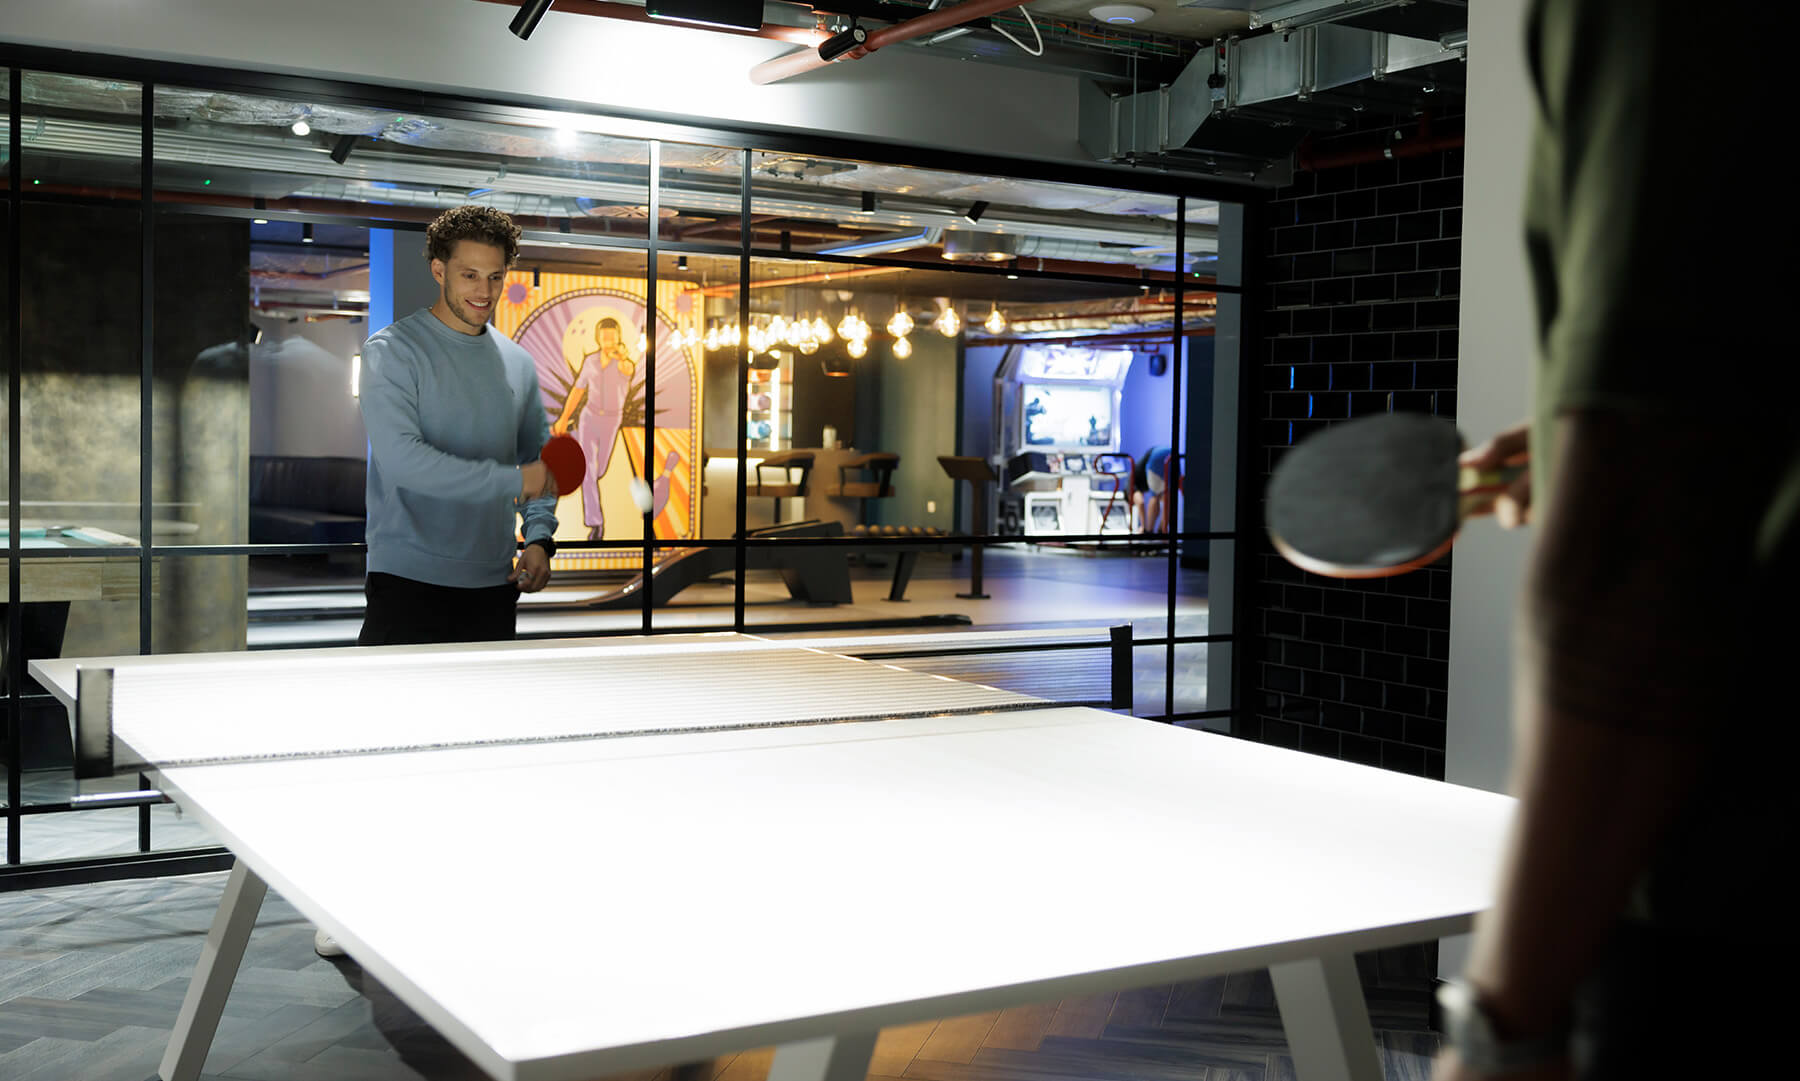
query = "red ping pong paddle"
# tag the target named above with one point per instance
(562, 455)
(1376, 496)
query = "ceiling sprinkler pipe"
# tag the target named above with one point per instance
(1036, 247)
(635, 13)
(885, 244)
(805, 60)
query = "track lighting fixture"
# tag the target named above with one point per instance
(527, 19)
(837, 45)
(976, 210)
(306, 234)
(341, 151)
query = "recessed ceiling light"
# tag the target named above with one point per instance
(1122, 14)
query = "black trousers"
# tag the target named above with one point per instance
(401, 611)
(1660, 1003)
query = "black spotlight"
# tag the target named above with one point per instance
(835, 46)
(681, 262)
(868, 202)
(306, 236)
(536, 277)
(341, 151)
(256, 334)
(976, 210)
(527, 19)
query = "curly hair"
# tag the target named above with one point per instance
(471, 222)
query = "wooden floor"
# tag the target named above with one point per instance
(91, 978)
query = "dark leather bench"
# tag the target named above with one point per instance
(296, 500)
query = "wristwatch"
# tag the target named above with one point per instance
(1470, 1029)
(548, 545)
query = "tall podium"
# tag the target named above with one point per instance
(980, 476)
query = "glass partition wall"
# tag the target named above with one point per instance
(865, 398)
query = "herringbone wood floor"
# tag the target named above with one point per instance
(91, 978)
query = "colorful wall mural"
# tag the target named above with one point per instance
(587, 335)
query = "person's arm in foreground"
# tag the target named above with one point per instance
(537, 517)
(1622, 638)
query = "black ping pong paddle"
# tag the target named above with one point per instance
(1376, 496)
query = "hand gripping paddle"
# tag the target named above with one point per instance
(1376, 496)
(563, 456)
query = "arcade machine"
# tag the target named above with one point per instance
(1056, 418)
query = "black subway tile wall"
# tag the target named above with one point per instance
(1359, 316)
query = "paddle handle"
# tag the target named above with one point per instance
(1477, 489)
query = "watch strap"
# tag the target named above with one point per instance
(1469, 1028)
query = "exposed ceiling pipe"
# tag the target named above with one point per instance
(884, 244)
(805, 60)
(1391, 146)
(1124, 337)
(731, 224)
(523, 204)
(1411, 148)
(801, 279)
(636, 14)
(1086, 251)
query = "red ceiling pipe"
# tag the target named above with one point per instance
(1123, 337)
(1424, 141)
(805, 60)
(633, 14)
(1406, 148)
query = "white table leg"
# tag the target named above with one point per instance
(1326, 1019)
(219, 960)
(843, 1057)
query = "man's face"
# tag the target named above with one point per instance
(471, 282)
(609, 340)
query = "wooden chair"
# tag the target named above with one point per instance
(782, 485)
(874, 474)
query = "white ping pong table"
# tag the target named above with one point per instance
(493, 832)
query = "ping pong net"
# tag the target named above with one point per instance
(269, 706)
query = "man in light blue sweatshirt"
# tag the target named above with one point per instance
(455, 422)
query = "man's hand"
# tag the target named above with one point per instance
(533, 570)
(535, 482)
(1449, 1067)
(1511, 508)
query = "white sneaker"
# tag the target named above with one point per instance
(326, 946)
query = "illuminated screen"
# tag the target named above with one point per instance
(1064, 416)
(1088, 365)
